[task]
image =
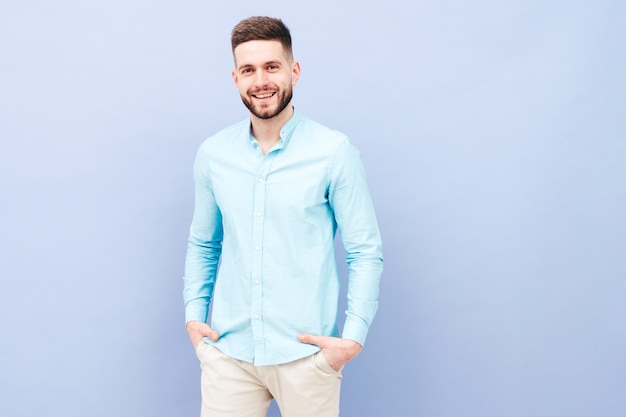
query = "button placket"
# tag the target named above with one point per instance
(256, 290)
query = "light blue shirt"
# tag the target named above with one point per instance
(269, 221)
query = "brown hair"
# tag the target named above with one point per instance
(261, 28)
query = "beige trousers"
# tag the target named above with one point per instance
(308, 387)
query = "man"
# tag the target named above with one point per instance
(270, 193)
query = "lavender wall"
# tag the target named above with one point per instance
(494, 138)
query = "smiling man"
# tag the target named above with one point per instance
(271, 193)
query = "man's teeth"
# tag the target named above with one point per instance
(264, 95)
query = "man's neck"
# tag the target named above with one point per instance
(267, 131)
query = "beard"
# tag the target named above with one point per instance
(284, 98)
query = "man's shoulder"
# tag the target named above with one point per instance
(322, 133)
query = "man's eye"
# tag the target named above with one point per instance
(246, 71)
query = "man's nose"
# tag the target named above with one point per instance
(261, 78)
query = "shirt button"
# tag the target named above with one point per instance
(258, 214)
(257, 248)
(256, 316)
(257, 282)
(260, 179)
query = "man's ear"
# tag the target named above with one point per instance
(295, 72)
(235, 77)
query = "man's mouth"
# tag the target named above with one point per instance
(263, 95)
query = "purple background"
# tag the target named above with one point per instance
(493, 134)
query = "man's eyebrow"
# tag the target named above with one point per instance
(272, 62)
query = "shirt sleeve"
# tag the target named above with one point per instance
(350, 200)
(204, 246)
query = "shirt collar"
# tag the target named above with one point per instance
(289, 127)
(285, 132)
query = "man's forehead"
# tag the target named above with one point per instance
(259, 51)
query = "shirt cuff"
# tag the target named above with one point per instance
(355, 329)
(196, 310)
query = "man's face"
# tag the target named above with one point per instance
(264, 75)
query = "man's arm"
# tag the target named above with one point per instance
(350, 200)
(203, 252)
(354, 212)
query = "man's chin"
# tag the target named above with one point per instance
(265, 114)
(268, 112)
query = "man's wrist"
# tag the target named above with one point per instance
(196, 311)
(355, 330)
